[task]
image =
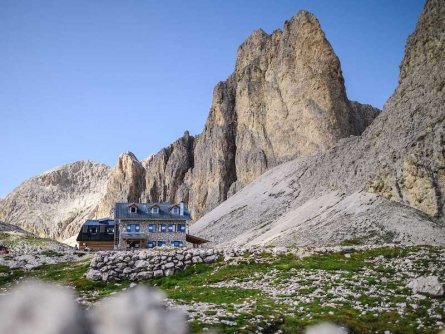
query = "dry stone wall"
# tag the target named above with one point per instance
(145, 264)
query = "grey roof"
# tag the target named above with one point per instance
(122, 211)
(92, 222)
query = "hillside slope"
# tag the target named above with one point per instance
(55, 203)
(386, 185)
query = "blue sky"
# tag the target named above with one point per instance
(84, 79)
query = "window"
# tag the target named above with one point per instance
(181, 227)
(151, 244)
(177, 244)
(102, 228)
(133, 209)
(175, 210)
(152, 228)
(162, 228)
(161, 243)
(85, 228)
(93, 230)
(133, 227)
(171, 228)
(110, 229)
(155, 210)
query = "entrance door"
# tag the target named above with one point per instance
(135, 244)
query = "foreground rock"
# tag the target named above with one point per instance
(325, 328)
(138, 311)
(386, 185)
(429, 285)
(37, 308)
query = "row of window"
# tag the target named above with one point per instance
(157, 228)
(96, 229)
(152, 244)
(155, 210)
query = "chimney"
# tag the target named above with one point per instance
(181, 208)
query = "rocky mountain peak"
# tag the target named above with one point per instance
(285, 99)
(386, 185)
(251, 48)
(125, 184)
(54, 203)
(425, 47)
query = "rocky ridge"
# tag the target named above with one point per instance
(386, 184)
(55, 203)
(286, 98)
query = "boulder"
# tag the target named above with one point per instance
(144, 275)
(127, 270)
(196, 259)
(169, 272)
(38, 308)
(428, 285)
(158, 273)
(325, 328)
(94, 275)
(141, 264)
(210, 259)
(137, 311)
(169, 265)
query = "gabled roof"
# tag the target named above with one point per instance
(121, 211)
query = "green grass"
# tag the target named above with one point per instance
(71, 274)
(195, 284)
(8, 276)
(68, 274)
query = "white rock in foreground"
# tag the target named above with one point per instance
(38, 308)
(429, 285)
(137, 311)
(325, 328)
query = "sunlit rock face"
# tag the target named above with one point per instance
(125, 184)
(388, 184)
(55, 203)
(285, 99)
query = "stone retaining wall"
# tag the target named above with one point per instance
(148, 263)
(145, 264)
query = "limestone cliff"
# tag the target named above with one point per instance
(167, 172)
(125, 184)
(285, 99)
(364, 187)
(56, 202)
